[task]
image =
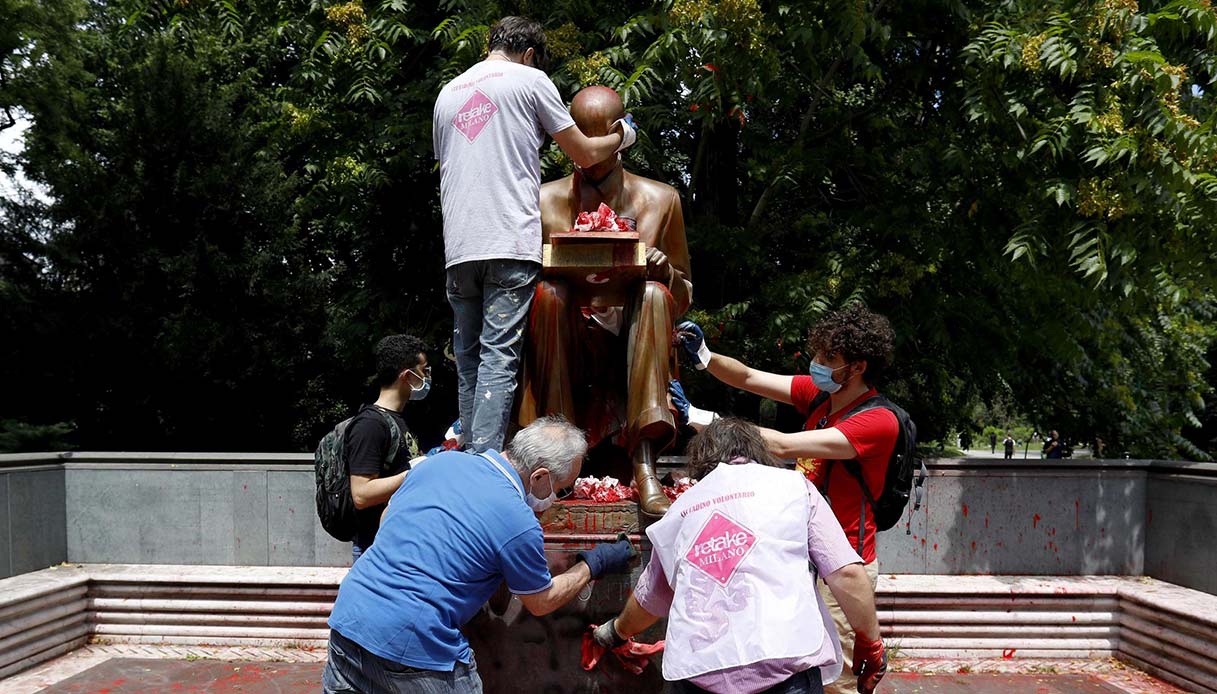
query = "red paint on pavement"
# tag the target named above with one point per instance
(1035, 521)
(965, 510)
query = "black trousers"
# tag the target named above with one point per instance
(805, 682)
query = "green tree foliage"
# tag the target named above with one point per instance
(243, 197)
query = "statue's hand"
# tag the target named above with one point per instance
(658, 267)
(692, 342)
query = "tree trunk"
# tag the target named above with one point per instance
(716, 172)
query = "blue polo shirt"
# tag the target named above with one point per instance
(455, 530)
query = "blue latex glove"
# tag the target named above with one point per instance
(680, 401)
(609, 557)
(686, 412)
(693, 344)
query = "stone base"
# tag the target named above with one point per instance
(589, 519)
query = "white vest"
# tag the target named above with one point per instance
(734, 549)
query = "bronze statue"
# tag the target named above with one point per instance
(579, 342)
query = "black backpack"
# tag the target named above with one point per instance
(335, 507)
(902, 467)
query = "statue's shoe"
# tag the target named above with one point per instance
(651, 500)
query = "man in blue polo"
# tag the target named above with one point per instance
(460, 525)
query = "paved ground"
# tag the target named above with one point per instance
(191, 670)
(1029, 454)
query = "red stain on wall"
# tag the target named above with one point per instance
(1035, 521)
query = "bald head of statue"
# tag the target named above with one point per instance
(595, 109)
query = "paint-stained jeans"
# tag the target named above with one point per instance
(490, 301)
(351, 669)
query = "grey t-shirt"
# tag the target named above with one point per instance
(488, 126)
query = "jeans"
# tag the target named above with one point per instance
(805, 682)
(490, 301)
(351, 669)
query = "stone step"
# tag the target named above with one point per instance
(1170, 630)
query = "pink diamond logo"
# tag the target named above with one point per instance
(720, 547)
(475, 115)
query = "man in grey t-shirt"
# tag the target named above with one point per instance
(489, 124)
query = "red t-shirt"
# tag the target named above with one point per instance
(873, 435)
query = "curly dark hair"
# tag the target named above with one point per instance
(724, 440)
(514, 35)
(855, 333)
(394, 354)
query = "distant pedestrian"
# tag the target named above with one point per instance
(993, 442)
(1008, 443)
(1052, 447)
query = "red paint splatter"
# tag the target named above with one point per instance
(245, 487)
(965, 510)
(923, 542)
(1035, 521)
(1008, 653)
(973, 545)
(935, 546)
(986, 520)
(1054, 532)
(1074, 618)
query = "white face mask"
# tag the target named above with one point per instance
(541, 505)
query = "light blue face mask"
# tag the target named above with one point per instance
(821, 375)
(420, 392)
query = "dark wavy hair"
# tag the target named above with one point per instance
(724, 440)
(855, 333)
(514, 35)
(394, 354)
